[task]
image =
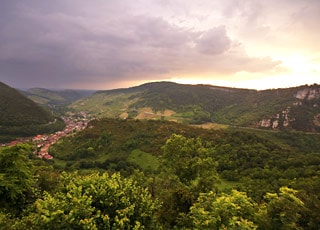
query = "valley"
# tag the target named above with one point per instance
(73, 123)
(166, 155)
(159, 115)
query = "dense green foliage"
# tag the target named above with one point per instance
(16, 177)
(193, 159)
(110, 141)
(238, 211)
(9, 133)
(93, 202)
(20, 116)
(197, 104)
(34, 197)
(234, 211)
(155, 174)
(170, 176)
(17, 110)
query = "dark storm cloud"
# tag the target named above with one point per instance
(67, 43)
(214, 41)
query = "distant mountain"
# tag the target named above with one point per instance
(56, 97)
(296, 108)
(20, 116)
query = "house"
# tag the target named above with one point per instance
(48, 157)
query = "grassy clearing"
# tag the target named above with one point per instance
(211, 125)
(145, 160)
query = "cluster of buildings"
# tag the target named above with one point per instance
(74, 123)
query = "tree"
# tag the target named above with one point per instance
(17, 180)
(94, 202)
(227, 211)
(282, 210)
(190, 160)
(187, 170)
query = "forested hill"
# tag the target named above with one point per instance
(295, 108)
(190, 170)
(16, 109)
(56, 97)
(20, 116)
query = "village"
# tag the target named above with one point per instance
(74, 123)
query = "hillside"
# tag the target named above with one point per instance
(20, 116)
(55, 97)
(178, 162)
(16, 109)
(295, 108)
(113, 140)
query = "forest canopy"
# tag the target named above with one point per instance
(192, 179)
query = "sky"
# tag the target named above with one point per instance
(107, 44)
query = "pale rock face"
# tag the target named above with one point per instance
(308, 94)
(283, 118)
(313, 94)
(274, 122)
(301, 94)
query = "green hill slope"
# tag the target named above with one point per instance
(295, 108)
(250, 160)
(20, 116)
(56, 97)
(16, 109)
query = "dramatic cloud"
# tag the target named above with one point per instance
(102, 44)
(215, 41)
